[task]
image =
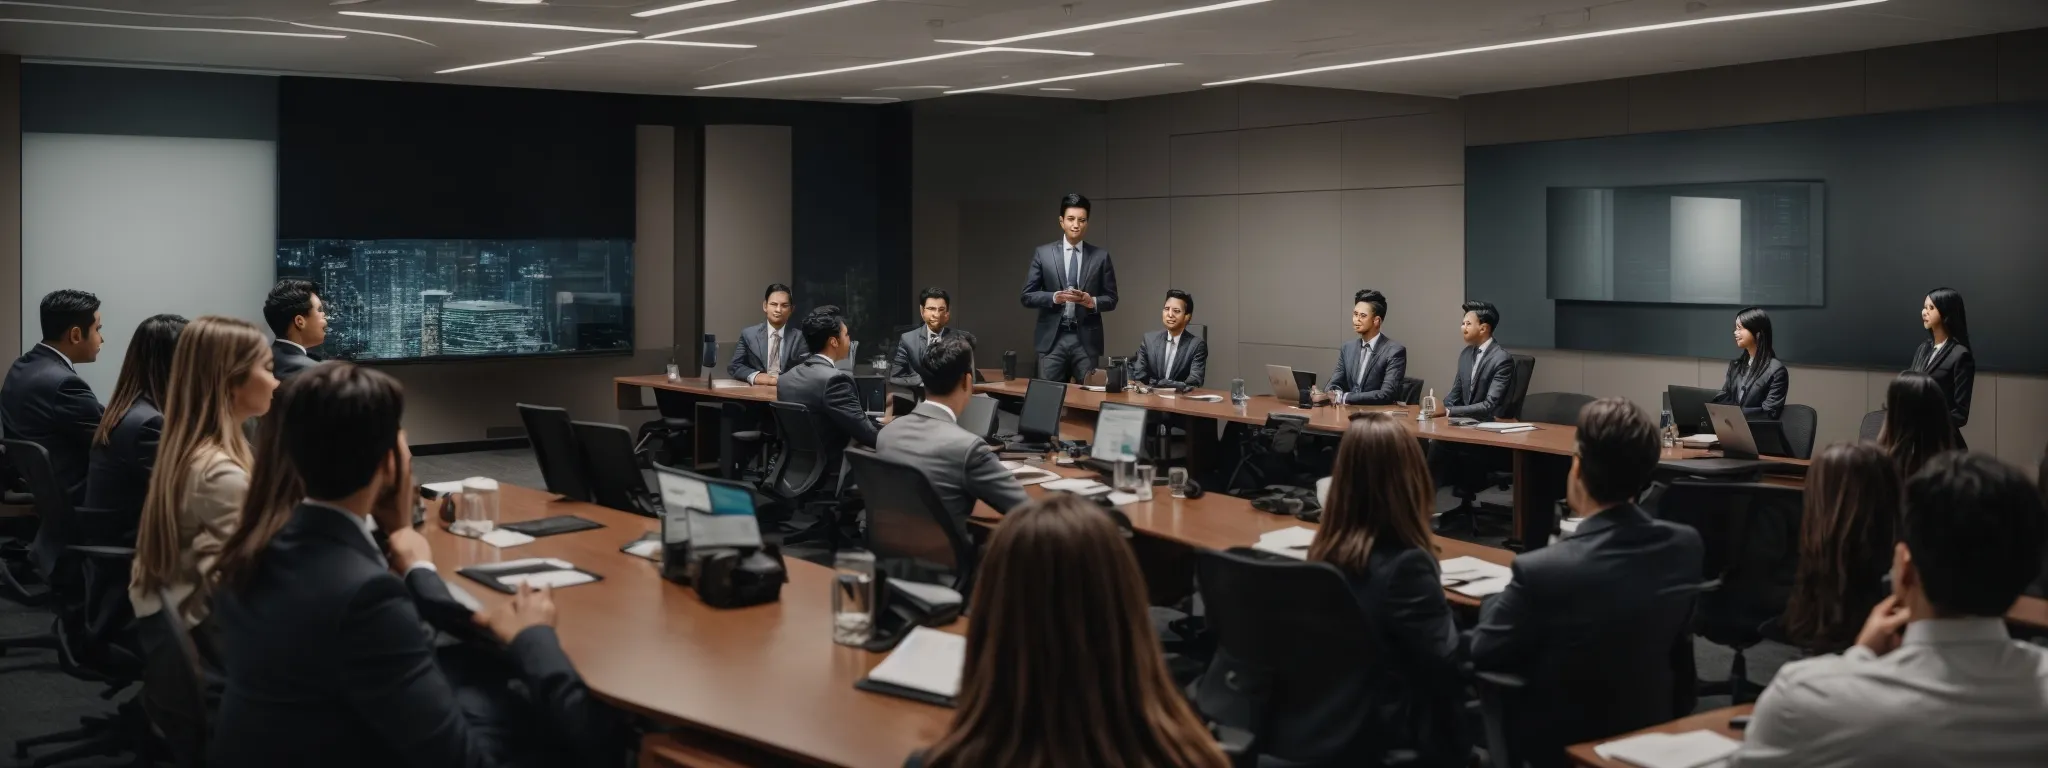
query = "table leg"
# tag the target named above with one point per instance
(1539, 483)
(627, 396)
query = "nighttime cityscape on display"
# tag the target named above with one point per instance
(398, 299)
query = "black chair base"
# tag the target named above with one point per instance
(1738, 687)
(126, 731)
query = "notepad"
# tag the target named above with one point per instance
(1473, 577)
(1119, 498)
(1290, 542)
(1080, 485)
(1701, 440)
(1207, 398)
(729, 384)
(924, 667)
(1505, 427)
(505, 538)
(549, 579)
(1692, 749)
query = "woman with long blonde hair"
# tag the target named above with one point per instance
(220, 378)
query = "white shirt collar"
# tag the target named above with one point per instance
(1174, 338)
(950, 415)
(60, 356)
(368, 525)
(1967, 630)
(1080, 247)
(1485, 345)
(828, 361)
(302, 347)
(1370, 343)
(774, 331)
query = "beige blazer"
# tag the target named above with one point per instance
(211, 510)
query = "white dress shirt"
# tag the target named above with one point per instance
(302, 347)
(1172, 349)
(1956, 692)
(1477, 358)
(950, 415)
(1365, 360)
(1070, 260)
(773, 364)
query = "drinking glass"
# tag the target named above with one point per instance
(1177, 481)
(476, 510)
(675, 373)
(1147, 475)
(853, 597)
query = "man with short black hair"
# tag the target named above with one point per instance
(907, 365)
(1485, 374)
(1934, 679)
(1369, 372)
(817, 383)
(43, 399)
(1172, 358)
(956, 461)
(298, 318)
(1602, 618)
(767, 350)
(1071, 283)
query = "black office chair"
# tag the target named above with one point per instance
(174, 691)
(1872, 426)
(802, 478)
(909, 529)
(1201, 331)
(1751, 535)
(1799, 423)
(19, 569)
(743, 449)
(1411, 391)
(555, 449)
(1555, 407)
(1292, 641)
(610, 467)
(1468, 487)
(672, 428)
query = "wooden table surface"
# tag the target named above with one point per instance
(1712, 720)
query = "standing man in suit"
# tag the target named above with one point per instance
(1603, 617)
(1369, 372)
(767, 350)
(44, 401)
(817, 383)
(957, 462)
(298, 318)
(1172, 358)
(1071, 283)
(907, 366)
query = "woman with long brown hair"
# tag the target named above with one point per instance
(220, 377)
(124, 447)
(1845, 545)
(1916, 422)
(1063, 668)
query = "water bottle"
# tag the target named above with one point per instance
(1237, 396)
(1668, 428)
(1428, 406)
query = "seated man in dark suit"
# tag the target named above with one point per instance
(768, 350)
(957, 462)
(907, 364)
(818, 384)
(298, 317)
(44, 401)
(1478, 390)
(1172, 358)
(1369, 372)
(319, 628)
(1598, 624)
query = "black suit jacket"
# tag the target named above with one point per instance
(1481, 399)
(1600, 620)
(327, 665)
(45, 402)
(119, 479)
(906, 364)
(1382, 382)
(1955, 369)
(1048, 276)
(750, 355)
(834, 402)
(1190, 362)
(1761, 396)
(286, 360)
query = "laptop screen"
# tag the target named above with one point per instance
(1119, 429)
(1042, 403)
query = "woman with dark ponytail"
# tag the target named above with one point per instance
(1945, 355)
(1756, 381)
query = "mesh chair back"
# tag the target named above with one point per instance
(554, 447)
(174, 690)
(1518, 390)
(1799, 423)
(1554, 407)
(1873, 423)
(56, 525)
(610, 466)
(909, 527)
(802, 463)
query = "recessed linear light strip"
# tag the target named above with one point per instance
(483, 23)
(610, 43)
(1060, 79)
(172, 29)
(768, 17)
(898, 62)
(492, 64)
(1108, 24)
(1550, 40)
(683, 7)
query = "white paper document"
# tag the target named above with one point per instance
(927, 660)
(1700, 440)
(1473, 577)
(1207, 398)
(1119, 498)
(1692, 749)
(505, 538)
(1292, 542)
(445, 488)
(1080, 485)
(729, 384)
(549, 579)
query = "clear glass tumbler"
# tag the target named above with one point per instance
(853, 597)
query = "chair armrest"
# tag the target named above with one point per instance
(1493, 689)
(1238, 744)
(103, 553)
(1500, 681)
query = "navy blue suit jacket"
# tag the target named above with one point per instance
(45, 402)
(1382, 382)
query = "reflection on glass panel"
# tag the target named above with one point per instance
(1730, 243)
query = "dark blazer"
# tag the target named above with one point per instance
(119, 478)
(286, 360)
(835, 404)
(906, 364)
(1761, 396)
(1955, 369)
(1482, 399)
(1382, 382)
(750, 356)
(327, 665)
(44, 402)
(1601, 620)
(1190, 362)
(1048, 276)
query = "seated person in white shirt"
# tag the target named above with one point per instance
(1933, 679)
(960, 466)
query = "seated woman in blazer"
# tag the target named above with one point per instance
(1757, 380)
(1845, 545)
(124, 448)
(1945, 355)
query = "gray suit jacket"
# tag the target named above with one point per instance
(750, 356)
(960, 466)
(906, 365)
(1481, 399)
(1048, 276)
(834, 402)
(1382, 382)
(1190, 363)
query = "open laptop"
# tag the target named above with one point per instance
(980, 416)
(1288, 383)
(1689, 407)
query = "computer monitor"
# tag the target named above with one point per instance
(980, 416)
(1040, 420)
(1119, 431)
(1689, 407)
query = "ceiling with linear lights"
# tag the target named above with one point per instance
(887, 50)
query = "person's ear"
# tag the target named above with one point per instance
(1904, 576)
(76, 335)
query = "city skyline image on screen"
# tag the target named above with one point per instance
(466, 298)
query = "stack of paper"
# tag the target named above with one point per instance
(1027, 474)
(1080, 485)
(1292, 542)
(1473, 577)
(927, 661)
(1692, 749)
(1701, 440)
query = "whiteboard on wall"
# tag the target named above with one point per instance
(150, 224)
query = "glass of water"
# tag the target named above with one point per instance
(476, 509)
(1146, 475)
(1177, 481)
(853, 597)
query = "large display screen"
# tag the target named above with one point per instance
(433, 299)
(1732, 244)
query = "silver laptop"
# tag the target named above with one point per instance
(1281, 379)
(1731, 430)
(980, 417)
